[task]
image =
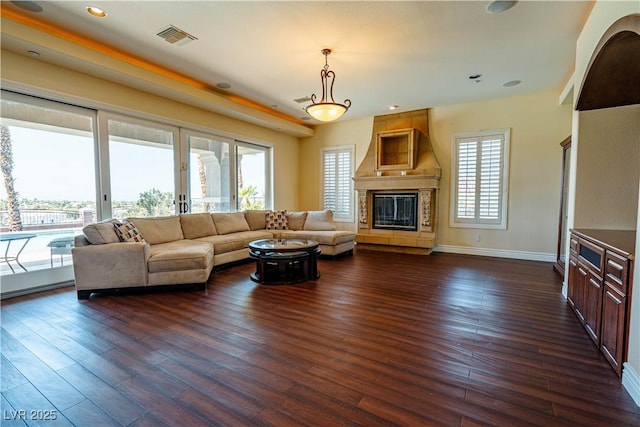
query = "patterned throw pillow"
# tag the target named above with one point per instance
(276, 220)
(127, 232)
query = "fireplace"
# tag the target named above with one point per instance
(397, 184)
(397, 211)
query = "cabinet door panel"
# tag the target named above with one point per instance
(579, 291)
(571, 283)
(593, 306)
(613, 323)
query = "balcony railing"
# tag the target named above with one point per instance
(46, 219)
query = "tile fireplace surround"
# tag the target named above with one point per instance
(400, 160)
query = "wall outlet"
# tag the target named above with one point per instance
(477, 237)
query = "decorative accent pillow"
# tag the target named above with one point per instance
(295, 220)
(127, 232)
(276, 220)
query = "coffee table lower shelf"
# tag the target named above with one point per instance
(281, 265)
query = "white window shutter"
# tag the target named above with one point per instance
(467, 171)
(490, 180)
(479, 182)
(338, 183)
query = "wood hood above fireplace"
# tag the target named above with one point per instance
(400, 159)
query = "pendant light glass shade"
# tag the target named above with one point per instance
(326, 112)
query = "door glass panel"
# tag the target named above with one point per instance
(49, 189)
(252, 177)
(209, 178)
(141, 164)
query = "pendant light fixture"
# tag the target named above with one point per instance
(327, 109)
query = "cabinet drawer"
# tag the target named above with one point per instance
(616, 271)
(593, 255)
(573, 245)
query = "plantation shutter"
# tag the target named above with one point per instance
(338, 183)
(330, 173)
(490, 180)
(467, 170)
(480, 174)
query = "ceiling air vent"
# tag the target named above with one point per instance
(175, 35)
(303, 99)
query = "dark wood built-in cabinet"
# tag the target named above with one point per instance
(599, 287)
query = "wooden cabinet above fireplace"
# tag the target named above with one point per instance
(396, 150)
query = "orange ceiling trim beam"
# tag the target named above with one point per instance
(97, 47)
(128, 58)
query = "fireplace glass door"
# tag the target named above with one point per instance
(395, 211)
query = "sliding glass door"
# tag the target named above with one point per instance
(142, 169)
(252, 177)
(209, 172)
(226, 175)
(49, 192)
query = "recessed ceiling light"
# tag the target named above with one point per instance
(96, 11)
(499, 6)
(33, 53)
(30, 6)
(512, 83)
(224, 85)
(393, 107)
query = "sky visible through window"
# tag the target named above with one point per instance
(55, 166)
(52, 166)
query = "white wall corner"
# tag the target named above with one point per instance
(631, 382)
(498, 253)
(566, 96)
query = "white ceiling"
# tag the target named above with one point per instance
(413, 54)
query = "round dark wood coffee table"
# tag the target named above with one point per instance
(283, 261)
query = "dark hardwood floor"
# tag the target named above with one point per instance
(380, 339)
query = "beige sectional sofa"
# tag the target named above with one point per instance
(182, 250)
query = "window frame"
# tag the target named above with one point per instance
(338, 217)
(477, 221)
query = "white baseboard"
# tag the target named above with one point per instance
(499, 253)
(631, 382)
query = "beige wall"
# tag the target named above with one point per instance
(608, 168)
(40, 78)
(538, 125)
(350, 132)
